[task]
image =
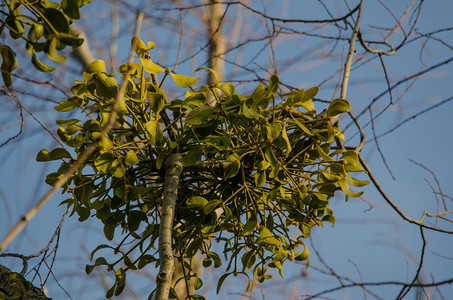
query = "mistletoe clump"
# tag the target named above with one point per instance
(257, 172)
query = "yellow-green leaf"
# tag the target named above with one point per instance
(196, 202)
(183, 80)
(151, 67)
(95, 66)
(131, 158)
(41, 66)
(338, 106)
(51, 52)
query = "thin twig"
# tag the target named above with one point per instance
(406, 289)
(392, 204)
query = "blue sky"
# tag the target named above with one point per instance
(374, 241)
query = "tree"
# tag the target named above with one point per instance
(203, 148)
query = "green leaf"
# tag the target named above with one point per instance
(287, 142)
(232, 169)
(9, 63)
(248, 259)
(343, 183)
(156, 101)
(304, 255)
(131, 158)
(200, 115)
(192, 157)
(194, 247)
(249, 227)
(95, 67)
(104, 162)
(260, 178)
(40, 66)
(58, 153)
(150, 66)
(267, 237)
(109, 231)
(356, 182)
(198, 284)
(145, 260)
(99, 261)
(302, 127)
(106, 86)
(273, 84)
(216, 77)
(210, 206)
(273, 130)
(36, 31)
(194, 98)
(221, 280)
(281, 254)
(250, 113)
(15, 22)
(227, 88)
(51, 51)
(196, 202)
(323, 154)
(57, 19)
(139, 46)
(216, 258)
(329, 218)
(71, 8)
(183, 80)
(83, 212)
(155, 131)
(303, 98)
(102, 246)
(338, 106)
(134, 218)
(69, 39)
(207, 262)
(120, 281)
(352, 157)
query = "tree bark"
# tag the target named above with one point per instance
(217, 44)
(172, 175)
(17, 288)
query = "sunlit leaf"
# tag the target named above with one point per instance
(304, 255)
(196, 202)
(51, 51)
(356, 182)
(71, 8)
(329, 218)
(338, 106)
(151, 67)
(214, 73)
(249, 113)
(41, 66)
(131, 158)
(183, 80)
(106, 86)
(96, 66)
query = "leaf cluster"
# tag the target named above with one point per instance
(44, 26)
(258, 169)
